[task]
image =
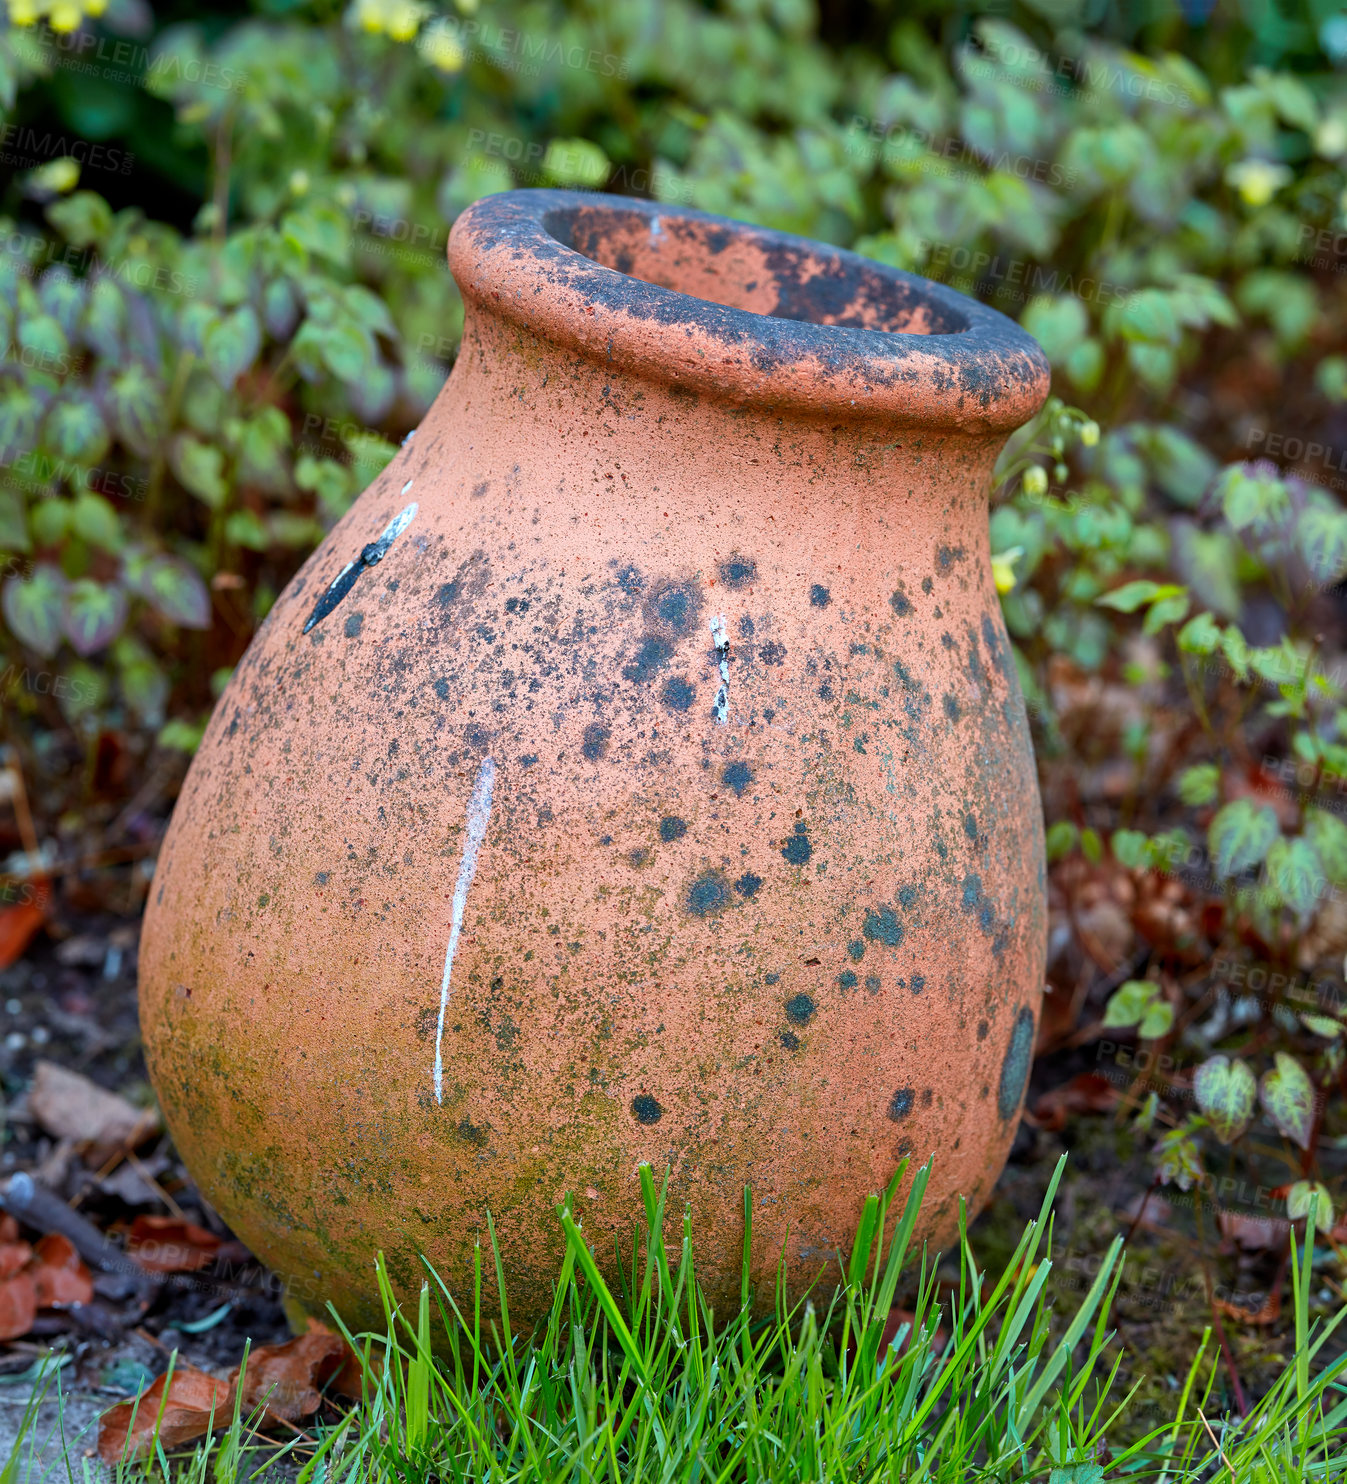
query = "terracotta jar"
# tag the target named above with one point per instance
(638, 772)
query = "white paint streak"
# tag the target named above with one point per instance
(722, 642)
(479, 816)
(399, 523)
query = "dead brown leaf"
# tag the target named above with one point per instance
(18, 1305)
(71, 1107)
(1252, 1233)
(13, 1257)
(59, 1275)
(195, 1403)
(1268, 1312)
(167, 1244)
(289, 1378)
(18, 924)
(1087, 1092)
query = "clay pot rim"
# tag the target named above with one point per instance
(984, 374)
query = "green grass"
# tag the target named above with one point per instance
(642, 1382)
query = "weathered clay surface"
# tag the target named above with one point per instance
(680, 715)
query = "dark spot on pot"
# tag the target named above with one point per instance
(947, 639)
(825, 691)
(847, 979)
(678, 694)
(746, 627)
(354, 624)
(738, 571)
(630, 581)
(872, 983)
(480, 488)
(883, 927)
(797, 849)
(900, 1104)
(951, 708)
(673, 605)
(595, 742)
(772, 654)
(926, 584)
(737, 775)
(639, 857)
(972, 891)
(907, 895)
(927, 1096)
(1015, 1068)
(790, 1040)
(900, 604)
(970, 826)
(646, 1108)
(528, 759)
(446, 593)
(800, 1009)
(517, 605)
(773, 977)
(947, 556)
(819, 595)
(652, 653)
(442, 689)
(320, 879)
(983, 1028)
(918, 983)
(672, 828)
(471, 1134)
(708, 894)
(856, 949)
(746, 886)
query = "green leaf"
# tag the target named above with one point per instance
(94, 615)
(75, 429)
(1129, 848)
(1295, 873)
(94, 519)
(1225, 1092)
(13, 526)
(1061, 839)
(1298, 1201)
(1165, 610)
(1198, 785)
(1241, 835)
(1252, 497)
(1148, 316)
(1200, 635)
(1287, 1096)
(50, 521)
(104, 322)
(1322, 1025)
(1321, 539)
(231, 345)
(1328, 835)
(1128, 1004)
(1130, 596)
(83, 218)
(34, 609)
(200, 469)
(1157, 1020)
(177, 592)
(181, 736)
(136, 402)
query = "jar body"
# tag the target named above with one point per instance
(696, 729)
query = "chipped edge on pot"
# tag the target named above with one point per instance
(990, 376)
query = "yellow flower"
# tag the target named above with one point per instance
(1257, 181)
(65, 16)
(1089, 434)
(404, 19)
(22, 12)
(440, 47)
(1035, 481)
(1330, 138)
(1003, 568)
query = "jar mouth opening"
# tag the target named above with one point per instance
(761, 273)
(742, 313)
